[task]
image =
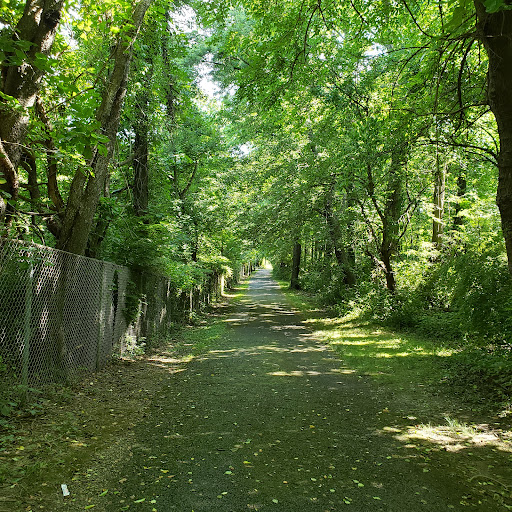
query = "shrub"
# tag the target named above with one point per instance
(487, 371)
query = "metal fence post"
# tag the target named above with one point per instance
(27, 331)
(101, 316)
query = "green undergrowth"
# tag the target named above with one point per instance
(193, 341)
(201, 336)
(303, 301)
(204, 328)
(479, 376)
(50, 438)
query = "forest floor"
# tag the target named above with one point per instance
(264, 408)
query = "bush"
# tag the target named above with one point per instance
(487, 371)
(15, 400)
(444, 325)
(281, 272)
(474, 289)
(462, 296)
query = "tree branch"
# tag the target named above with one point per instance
(51, 150)
(415, 21)
(371, 192)
(191, 179)
(465, 146)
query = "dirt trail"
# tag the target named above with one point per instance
(271, 420)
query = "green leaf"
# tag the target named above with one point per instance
(459, 14)
(21, 55)
(496, 5)
(102, 150)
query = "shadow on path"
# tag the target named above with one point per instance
(272, 420)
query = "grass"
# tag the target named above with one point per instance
(382, 354)
(192, 341)
(411, 362)
(198, 338)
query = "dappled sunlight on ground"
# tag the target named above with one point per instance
(229, 295)
(295, 373)
(170, 364)
(454, 436)
(169, 360)
(345, 334)
(261, 349)
(308, 373)
(287, 327)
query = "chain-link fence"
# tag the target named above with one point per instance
(62, 315)
(160, 306)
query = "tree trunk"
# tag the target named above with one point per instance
(51, 150)
(385, 257)
(140, 170)
(350, 276)
(141, 143)
(99, 231)
(305, 255)
(85, 191)
(438, 204)
(391, 216)
(458, 219)
(495, 32)
(294, 281)
(22, 82)
(195, 239)
(336, 240)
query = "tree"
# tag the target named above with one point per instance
(26, 48)
(85, 191)
(494, 29)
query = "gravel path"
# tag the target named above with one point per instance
(272, 420)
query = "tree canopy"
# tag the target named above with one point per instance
(360, 146)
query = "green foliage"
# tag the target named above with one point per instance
(133, 299)
(16, 401)
(327, 134)
(460, 298)
(483, 374)
(496, 5)
(480, 290)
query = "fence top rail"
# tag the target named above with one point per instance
(47, 249)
